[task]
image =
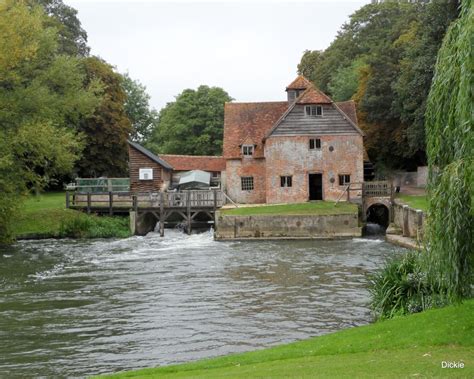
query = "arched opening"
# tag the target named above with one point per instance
(378, 218)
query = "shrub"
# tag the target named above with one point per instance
(401, 288)
(87, 226)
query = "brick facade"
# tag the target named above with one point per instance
(291, 156)
(280, 133)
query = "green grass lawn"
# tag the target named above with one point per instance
(310, 208)
(44, 215)
(410, 346)
(415, 201)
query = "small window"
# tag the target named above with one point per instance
(314, 110)
(292, 95)
(145, 174)
(216, 174)
(247, 150)
(344, 180)
(247, 183)
(314, 143)
(286, 181)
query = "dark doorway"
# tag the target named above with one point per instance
(315, 186)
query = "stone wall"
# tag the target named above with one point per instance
(290, 155)
(410, 221)
(286, 227)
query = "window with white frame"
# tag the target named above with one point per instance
(286, 181)
(247, 150)
(344, 179)
(247, 183)
(314, 143)
(145, 174)
(313, 110)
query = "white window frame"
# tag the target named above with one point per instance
(247, 183)
(315, 144)
(286, 181)
(312, 110)
(145, 173)
(344, 177)
(248, 150)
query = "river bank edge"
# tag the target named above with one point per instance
(412, 345)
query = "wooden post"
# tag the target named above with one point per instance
(349, 193)
(67, 199)
(162, 215)
(135, 204)
(188, 213)
(111, 201)
(88, 202)
(215, 200)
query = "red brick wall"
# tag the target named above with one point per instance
(290, 155)
(235, 169)
(139, 160)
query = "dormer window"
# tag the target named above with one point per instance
(313, 110)
(291, 95)
(247, 150)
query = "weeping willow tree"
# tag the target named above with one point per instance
(450, 148)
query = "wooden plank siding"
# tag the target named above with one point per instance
(331, 122)
(139, 160)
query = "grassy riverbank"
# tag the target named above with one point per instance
(410, 346)
(309, 208)
(415, 201)
(46, 216)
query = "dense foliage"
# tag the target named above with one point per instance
(42, 93)
(383, 58)
(193, 124)
(450, 142)
(137, 107)
(107, 130)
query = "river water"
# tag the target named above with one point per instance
(77, 308)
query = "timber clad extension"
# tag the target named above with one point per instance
(309, 139)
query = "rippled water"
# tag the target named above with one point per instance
(76, 308)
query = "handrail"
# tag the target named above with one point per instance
(232, 201)
(342, 194)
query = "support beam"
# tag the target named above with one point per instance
(188, 212)
(162, 215)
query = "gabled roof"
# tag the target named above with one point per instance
(313, 96)
(150, 155)
(195, 162)
(249, 122)
(299, 83)
(349, 108)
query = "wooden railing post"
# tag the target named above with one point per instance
(135, 204)
(188, 213)
(162, 215)
(67, 199)
(111, 201)
(88, 202)
(214, 192)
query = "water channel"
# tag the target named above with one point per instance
(77, 308)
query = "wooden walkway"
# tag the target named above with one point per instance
(161, 205)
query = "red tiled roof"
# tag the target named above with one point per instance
(299, 83)
(194, 162)
(313, 96)
(248, 123)
(349, 108)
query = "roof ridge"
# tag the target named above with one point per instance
(191, 156)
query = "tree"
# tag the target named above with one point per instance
(72, 37)
(193, 124)
(41, 95)
(309, 64)
(137, 107)
(345, 81)
(450, 148)
(107, 130)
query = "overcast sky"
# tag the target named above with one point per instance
(249, 48)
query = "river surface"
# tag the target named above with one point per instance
(83, 307)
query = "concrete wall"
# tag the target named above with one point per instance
(422, 176)
(410, 221)
(290, 155)
(286, 227)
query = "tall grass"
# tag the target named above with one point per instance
(87, 226)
